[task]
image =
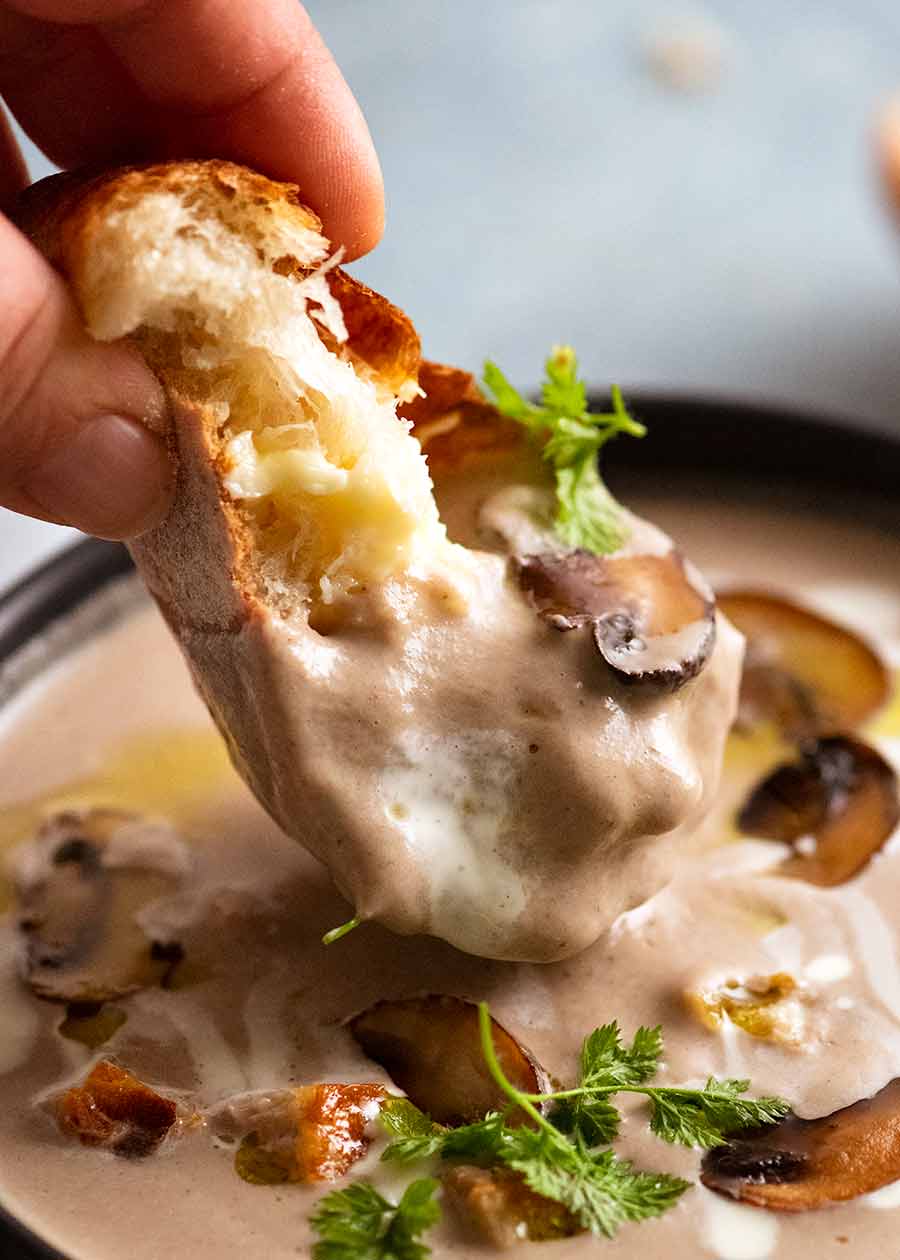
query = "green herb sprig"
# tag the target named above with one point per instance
(587, 515)
(558, 1157)
(563, 1154)
(360, 1224)
(690, 1117)
(342, 930)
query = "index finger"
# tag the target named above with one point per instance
(252, 82)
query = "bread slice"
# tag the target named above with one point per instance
(274, 360)
(390, 695)
(226, 283)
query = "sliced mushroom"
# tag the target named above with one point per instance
(431, 1049)
(81, 885)
(501, 1210)
(806, 673)
(115, 1110)
(837, 806)
(91, 1023)
(652, 617)
(800, 1164)
(313, 1133)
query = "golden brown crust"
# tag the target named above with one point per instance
(379, 333)
(60, 214)
(454, 421)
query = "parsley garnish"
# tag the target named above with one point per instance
(587, 515)
(558, 1156)
(360, 1224)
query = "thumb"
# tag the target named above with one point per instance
(80, 421)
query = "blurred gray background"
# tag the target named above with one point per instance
(687, 194)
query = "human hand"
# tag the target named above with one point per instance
(106, 81)
(887, 151)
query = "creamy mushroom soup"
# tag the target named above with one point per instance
(162, 937)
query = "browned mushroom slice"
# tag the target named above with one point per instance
(431, 1049)
(837, 805)
(652, 616)
(115, 1110)
(802, 671)
(800, 1164)
(81, 886)
(501, 1210)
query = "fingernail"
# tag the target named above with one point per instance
(111, 478)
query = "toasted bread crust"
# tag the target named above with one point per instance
(454, 421)
(60, 214)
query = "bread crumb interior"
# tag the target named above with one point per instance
(332, 485)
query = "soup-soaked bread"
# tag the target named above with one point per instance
(465, 762)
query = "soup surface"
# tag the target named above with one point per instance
(258, 1003)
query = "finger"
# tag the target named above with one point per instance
(69, 92)
(13, 172)
(887, 140)
(198, 78)
(283, 101)
(76, 416)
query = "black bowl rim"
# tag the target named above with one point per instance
(707, 434)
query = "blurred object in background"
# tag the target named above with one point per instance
(686, 52)
(686, 194)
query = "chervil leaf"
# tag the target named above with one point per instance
(402, 1118)
(607, 1066)
(723, 1106)
(563, 393)
(645, 1053)
(572, 440)
(507, 398)
(596, 1120)
(606, 1062)
(587, 515)
(348, 1218)
(681, 1122)
(706, 1117)
(478, 1142)
(358, 1223)
(600, 1190)
(558, 1156)
(416, 1136)
(416, 1212)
